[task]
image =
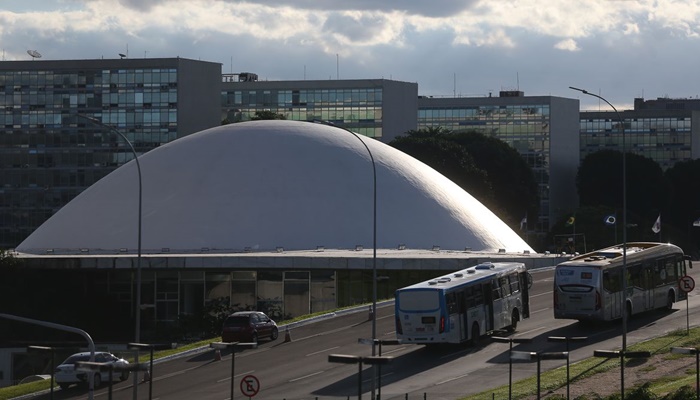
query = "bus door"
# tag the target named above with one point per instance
(488, 302)
(462, 307)
(612, 293)
(525, 282)
(499, 303)
(648, 285)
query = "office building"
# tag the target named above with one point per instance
(376, 108)
(543, 129)
(49, 154)
(665, 130)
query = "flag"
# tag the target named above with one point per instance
(523, 223)
(570, 221)
(696, 222)
(657, 225)
(610, 219)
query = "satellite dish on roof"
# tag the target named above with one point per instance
(122, 55)
(34, 53)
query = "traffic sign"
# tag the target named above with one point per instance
(686, 283)
(250, 385)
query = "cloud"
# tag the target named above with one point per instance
(567, 44)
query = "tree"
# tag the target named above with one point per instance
(599, 182)
(449, 159)
(487, 168)
(684, 203)
(267, 114)
(514, 184)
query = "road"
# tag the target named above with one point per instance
(299, 369)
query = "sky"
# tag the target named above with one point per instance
(618, 49)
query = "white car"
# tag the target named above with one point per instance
(66, 373)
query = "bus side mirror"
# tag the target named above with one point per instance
(690, 261)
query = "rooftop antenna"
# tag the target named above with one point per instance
(337, 66)
(33, 53)
(122, 55)
(517, 81)
(454, 84)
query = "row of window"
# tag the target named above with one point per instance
(486, 112)
(679, 124)
(91, 77)
(308, 97)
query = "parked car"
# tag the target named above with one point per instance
(248, 326)
(66, 373)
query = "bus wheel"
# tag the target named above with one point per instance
(669, 301)
(514, 319)
(476, 335)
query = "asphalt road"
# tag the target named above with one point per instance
(299, 369)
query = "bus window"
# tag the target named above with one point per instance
(611, 280)
(514, 283)
(496, 290)
(635, 276)
(451, 300)
(478, 295)
(505, 286)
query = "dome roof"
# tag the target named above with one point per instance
(268, 184)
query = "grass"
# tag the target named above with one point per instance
(556, 378)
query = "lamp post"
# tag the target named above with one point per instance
(567, 340)
(232, 346)
(696, 351)
(51, 351)
(529, 355)
(621, 354)
(137, 312)
(374, 240)
(621, 123)
(137, 329)
(510, 357)
(349, 359)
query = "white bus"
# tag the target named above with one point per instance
(464, 305)
(589, 286)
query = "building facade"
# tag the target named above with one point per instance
(49, 154)
(543, 129)
(376, 108)
(665, 130)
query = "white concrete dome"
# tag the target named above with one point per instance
(268, 184)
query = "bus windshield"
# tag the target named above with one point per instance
(419, 300)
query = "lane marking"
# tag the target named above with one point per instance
(322, 351)
(229, 378)
(305, 376)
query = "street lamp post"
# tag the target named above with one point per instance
(233, 346)
(510, 358)
(621, 123)
(374, 241)
(51, 351)
(696, 351)
(621, 354)
(349, 359)
(137, 312)
(567, 339)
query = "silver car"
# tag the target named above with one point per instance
(66, 373)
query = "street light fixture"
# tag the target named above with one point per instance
(621, 354)
(374, 239)
(510, 357)
(621, 124)
(51, 351)
(567, 340)
(696, 351)
(349, 359)
(233, 346)
(137, 312)
(137, 334)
